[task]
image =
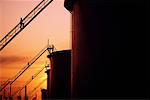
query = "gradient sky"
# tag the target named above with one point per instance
(54, 23)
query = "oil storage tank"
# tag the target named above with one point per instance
(44, 94)
(109, 48)
(60, 74)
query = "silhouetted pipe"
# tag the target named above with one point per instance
(26, 97)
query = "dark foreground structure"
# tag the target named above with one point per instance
(59, 78)
(110, 50)
(44, 94)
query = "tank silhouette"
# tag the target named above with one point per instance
(44, 94)
(60, 75)
(109, 48)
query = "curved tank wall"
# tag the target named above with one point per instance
(60, 74)
(109, 49)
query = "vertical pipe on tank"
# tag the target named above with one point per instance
(10, 95)
(26, 98)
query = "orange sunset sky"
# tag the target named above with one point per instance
(53, 23)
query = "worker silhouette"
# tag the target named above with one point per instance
(21, 23)
(28, 64)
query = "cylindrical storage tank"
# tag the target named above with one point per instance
(109, 48)
(60, 74)
(48, 83)
(44, 94)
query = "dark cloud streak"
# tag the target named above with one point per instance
(12, 59)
